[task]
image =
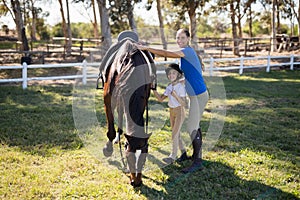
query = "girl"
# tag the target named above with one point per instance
(176, 93)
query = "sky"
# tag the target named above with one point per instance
(79, 14)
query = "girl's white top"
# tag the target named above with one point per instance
(180, 91)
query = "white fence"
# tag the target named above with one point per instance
(264, 62)
(211, 65)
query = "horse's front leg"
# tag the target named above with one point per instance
(111, 132)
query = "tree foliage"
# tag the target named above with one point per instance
(79, 30)
(117, 15)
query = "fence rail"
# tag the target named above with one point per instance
(212, 65)
(265, 62)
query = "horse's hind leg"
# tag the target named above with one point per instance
(131, 159)
(140, 164)
(111, 133)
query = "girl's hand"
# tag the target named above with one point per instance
(174, 94)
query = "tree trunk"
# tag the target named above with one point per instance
(298, 20)
(105, 27)
(20, 25)
(161, 25)
(16, 7)
(193, 25)
(239, 20)
(95, 23)
(33, 25)
(132, 23)
(69, 43)
(250, 22)
(63, 22)
(278, 27)
(25, 46)
(273, 24)
(236, 50)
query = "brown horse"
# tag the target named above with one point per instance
(127, 87)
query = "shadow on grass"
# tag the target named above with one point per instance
(215, 181)
(38, 118)
(264, 114)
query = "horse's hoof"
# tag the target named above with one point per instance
(125, 170)
(138, 180)
(132, 179)
(136, 184)
(108, 149)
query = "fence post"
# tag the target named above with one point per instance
(241, 65)
(268, 64)
(292, 62)
(24, 75)
(84, 72)
(211, 66)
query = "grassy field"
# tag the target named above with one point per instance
(257, 156)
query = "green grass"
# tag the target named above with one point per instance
(42, 155)
(7, 45)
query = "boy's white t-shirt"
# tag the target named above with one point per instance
(180, 91)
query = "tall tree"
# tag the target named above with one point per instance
(34, 16)
(121, 14)
(291, 12)
(236, 50)
(95, 22)
(233, 7)
(161, 24)
(87, 4)
(105, 27)
(273, 25)
(298, 19)
(14, 8)
(160, 19)
(248, 9)
(69, 42)
(131, 20)
(16, 14)
(190, 7)
(63, 21)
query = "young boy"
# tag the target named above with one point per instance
(176, 93)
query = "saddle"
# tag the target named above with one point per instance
(109, 58)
